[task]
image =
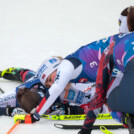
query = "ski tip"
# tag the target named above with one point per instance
(58, 125)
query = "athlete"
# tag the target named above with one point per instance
(8, 101)
(119, 54)
(29, 99)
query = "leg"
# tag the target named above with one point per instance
(17, 74)
(122, 96)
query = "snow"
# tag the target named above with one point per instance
(33, 30)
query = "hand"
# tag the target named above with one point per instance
(11, 111)
(29, 118)
(61, 109)
(85, 131)
(73, 110)
(57, 109)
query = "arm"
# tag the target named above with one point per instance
(65, 73)
(17, 74)
(10, 111)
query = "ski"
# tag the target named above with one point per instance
(75, 117)
(105, 130)
(108, 126)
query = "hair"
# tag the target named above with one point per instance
(58, 57)
(28, 100)
(129, 12)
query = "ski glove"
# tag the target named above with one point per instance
(26, 118)
(85, 131)
(61, 109)
(11, 111)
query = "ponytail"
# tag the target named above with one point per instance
(130, 18)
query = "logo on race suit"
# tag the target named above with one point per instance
(80, 97)
(124, 34)
(104, 40)
(87, 89)
(69, 94)
(52, 61)
(82, 80)
(7, 98)
(119, 62)
(106, 51)
(57, 77)
(43, 76)
(88, 96)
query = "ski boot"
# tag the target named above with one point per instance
(130, 122)
(12, 74)
(128, 119)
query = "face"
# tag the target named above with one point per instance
(50, 79)
(123, 27)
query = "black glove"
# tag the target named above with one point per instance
(11, 111)
(73, 110)
(85, 131)
(61, 109)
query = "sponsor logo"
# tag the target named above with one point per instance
(118, 61)
(7, 98)
(82, 80)
(43, 76)
(89, 88)
(52, 61)
(69, 94)
(57, 77)
(104, 40)
(74, 117)
(124, 34)
(106, 51)
(55, 65)
(115, 72)
(88, 96)
(42, 69)
(80, 97)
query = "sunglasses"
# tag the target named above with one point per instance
(119, 22)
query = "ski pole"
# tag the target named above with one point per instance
(11, 129)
